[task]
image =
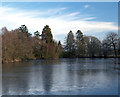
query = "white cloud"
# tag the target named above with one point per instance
(86, 6)
(60, 24)
(74, 14)
(89, 18)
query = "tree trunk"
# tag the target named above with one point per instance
(115, 50)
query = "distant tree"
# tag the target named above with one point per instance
(119, 46)
(60, 49)
(112, 41)
(37, 45)
(37, 33)
(49, 50)
(24, 29)
(46, 47)
(4, 30)
(106, 49)
(19, 44)
(80, 44)
(94, 46)
(47, 35)
(16, 46)
(59, 43)
(5, 42)
(79, 37)
(70, 44)
(87, 44)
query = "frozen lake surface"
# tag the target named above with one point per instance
(83, 76)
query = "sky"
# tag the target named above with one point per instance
(92, 18)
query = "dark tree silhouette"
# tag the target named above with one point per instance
(19, 45)
(80, 44)
(112, 41)
(46, 34)
(24, 29)
(70, 45)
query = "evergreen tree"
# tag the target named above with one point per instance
(37, 33)
(59, 43)
(80, 44)
(24, 29)
(47, 35)
(79, 37)
(59, 50)
(70, 45)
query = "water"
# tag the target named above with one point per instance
(61, 77)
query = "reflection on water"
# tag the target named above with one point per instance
(61, 77)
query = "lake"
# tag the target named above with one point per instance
(83, 76)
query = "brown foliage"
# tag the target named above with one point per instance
(17, 46)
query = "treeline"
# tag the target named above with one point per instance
(19, 45)
(90, 46)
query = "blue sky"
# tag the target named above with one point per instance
(92, 18)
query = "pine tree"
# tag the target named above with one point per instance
(80, 44)
(79, 36)
(24, 29)
(47, 35)
(70, 44)
(37, 33)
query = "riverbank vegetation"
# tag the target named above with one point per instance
(19, 45)
(91, 46)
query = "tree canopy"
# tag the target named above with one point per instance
(47, 35)
(19, 44)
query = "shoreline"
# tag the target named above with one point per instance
(15, 61)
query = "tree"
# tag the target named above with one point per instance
(46, 48)
(49, 50)
(24, 29)
(106, 49)
(16, 46)
(37, 33)
(119, 46)
(79, 37)
(47, 35)
(60, 49)
(112, 41)
(94, 47)
(70, 44)
(59, 43)
(37, 44)
(80, 44)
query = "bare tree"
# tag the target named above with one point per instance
(119, 46)
(112, 41)
(106, 49)
(94, 46)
